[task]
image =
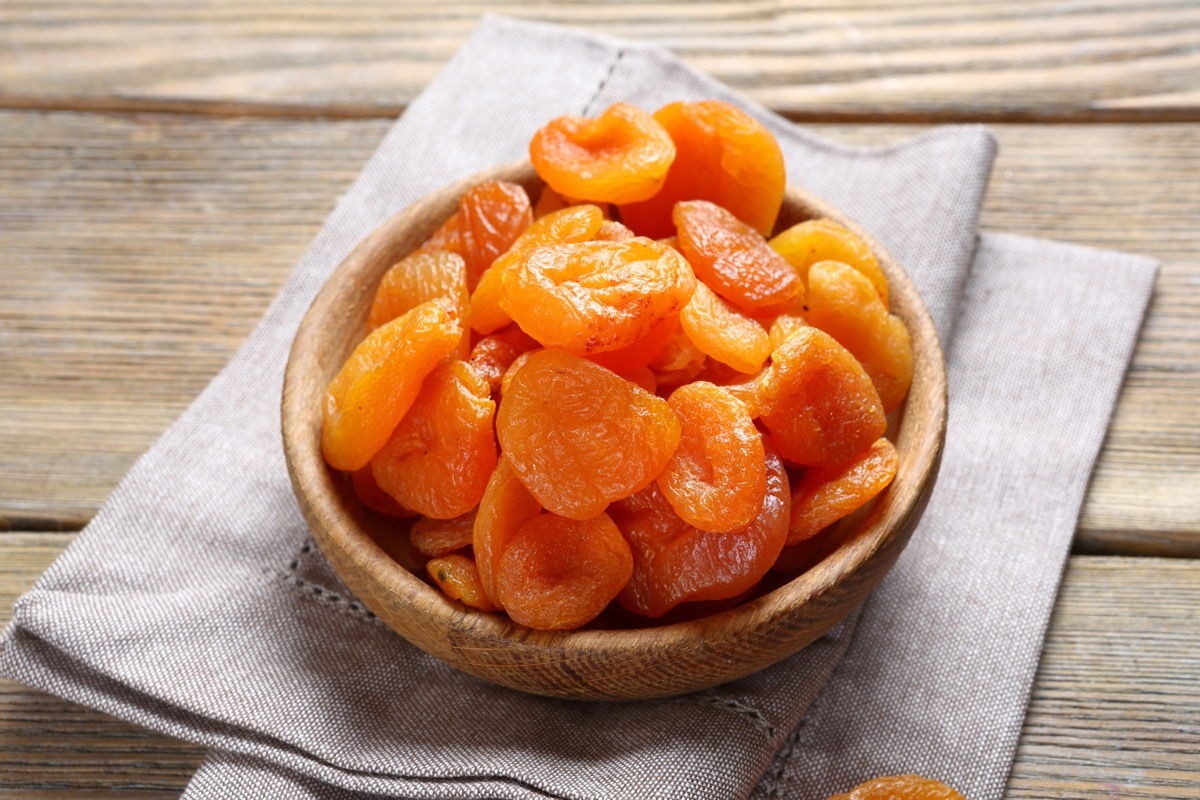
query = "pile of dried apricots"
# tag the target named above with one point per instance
(625, 391)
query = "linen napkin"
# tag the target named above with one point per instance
(196, 604)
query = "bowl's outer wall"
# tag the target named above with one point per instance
(592, 664)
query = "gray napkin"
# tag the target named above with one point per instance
(195, 603)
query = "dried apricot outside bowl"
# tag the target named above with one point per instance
(592, 663)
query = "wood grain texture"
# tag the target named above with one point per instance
(137, 251)
(886, 58)
(1112, 715)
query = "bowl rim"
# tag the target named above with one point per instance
(339, 532)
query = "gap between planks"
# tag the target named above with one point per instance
(351, 111)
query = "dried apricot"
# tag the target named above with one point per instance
(419, 278)
(580, 436)
(458, 578)
(518, 362)
(674, 562)
(493, 355)
(374, 498)
(734, 259)
(448, 237)
(441, 455)
(722, 155)
(592, 297)
(621, 156)
(548, 202)
(492, 215)
(485, 312)
(439, 537)
(558, 574)
(816, 240)
(826, 494)
(679, 361)
(715, 480)
(843, 303)
(640, 353)
(817, 402)
(505, 507)
(719, 330)
(381, 379)
(782, 328)
(901, 787)
(611, 231)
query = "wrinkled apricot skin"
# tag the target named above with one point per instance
(782, 328)
(374, 498)
(457, 577)
(441, 455)
(723, 333)
(440, 537)
(381, 379)
(735, 260)
(675, 562)
(559, 574)
(492, 216)
(592, 297)
(493, 355)
(715, 480)
(417, 279)
(447, 237)
(825, 495)
(640, 353)
(816, 240)
(613, 232)
(620, 157)
(843, 303)
(679, 361)
(900, 787)
(580, 436)
(817, 402)
(505, 507)
(723, 156)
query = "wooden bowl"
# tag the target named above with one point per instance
(592, 664)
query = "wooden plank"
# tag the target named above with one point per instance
(1103, 59)
(1112, 715)
(137, 251)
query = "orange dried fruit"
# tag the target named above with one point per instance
(458, 578)
(782, 328)
(441, 455)
(419, 278)
(591, 297)
(619, 157)
(735, 260)
(843, 303)
(580, 436)
(492, 215)
(901, 787)
(640, 353)
(439, 537)
(559, 574)
(505, 507)
(817, 402)
(381, 379)
(826, 494)
(715, 480)
(374, 498)
(493, 355)
(674, 562)
(548, 202)
(719, 330)
(722, 155)
(679, 361)
(518, 362)
(816, 240)
(611, 231)
(572, 224)
(448, 237)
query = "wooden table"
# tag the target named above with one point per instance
(163, 165)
